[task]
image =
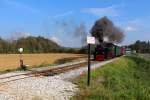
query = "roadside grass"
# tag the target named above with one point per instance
(127, 78)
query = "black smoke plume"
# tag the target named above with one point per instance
(105, 28)
(72, 28)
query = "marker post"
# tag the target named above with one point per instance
(21, 58)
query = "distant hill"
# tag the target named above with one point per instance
(36, 44)
(30, 44)
(33, 44)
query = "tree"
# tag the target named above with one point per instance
(33, 45)
(141, 46)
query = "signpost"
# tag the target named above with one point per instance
(90, 40)
(21, 59)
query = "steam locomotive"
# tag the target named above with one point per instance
(105, 51)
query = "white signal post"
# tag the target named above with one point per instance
(90, 40)
(21, 58)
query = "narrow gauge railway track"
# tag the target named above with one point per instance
(48, 72)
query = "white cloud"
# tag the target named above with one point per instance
(55, 39)
(106, 11)
(130, 29)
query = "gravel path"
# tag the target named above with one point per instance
(43, 88)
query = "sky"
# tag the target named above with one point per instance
(44, 17)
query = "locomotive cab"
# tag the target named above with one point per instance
(99, 53)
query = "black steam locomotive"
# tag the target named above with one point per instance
(107, 51)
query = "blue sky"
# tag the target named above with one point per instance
(39, 17)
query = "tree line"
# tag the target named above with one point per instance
(33, 44)
(141, 46)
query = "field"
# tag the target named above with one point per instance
(128, 78)
(11, 61)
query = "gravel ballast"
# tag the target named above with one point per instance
(43, 87)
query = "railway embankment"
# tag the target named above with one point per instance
(127, 78)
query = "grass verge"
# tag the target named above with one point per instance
(125, 79)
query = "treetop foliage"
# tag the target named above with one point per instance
(141, 46)
(32, 44)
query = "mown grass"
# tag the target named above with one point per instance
(125, 79)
